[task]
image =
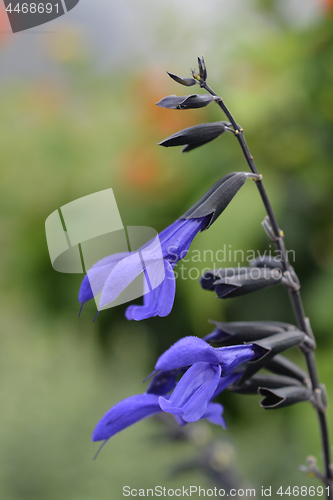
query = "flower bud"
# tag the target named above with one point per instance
(273, 345)
(185, 102)
(218, 197)
(285, 396)
(267, 261)
(245, 331)
(188, 82)
(284, 366)
(233, 282)
(202, 69)
(195, 136)
(256, 382)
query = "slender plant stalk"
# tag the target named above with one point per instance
(294, 295)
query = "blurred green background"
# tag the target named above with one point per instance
(78, 116)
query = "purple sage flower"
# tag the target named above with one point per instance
(175, 241)
(205, 372)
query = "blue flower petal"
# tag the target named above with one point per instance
(85, 292)
(169, 231)
(176, 239)
(190, 350)
(120, 277)
(115, 273)
(127, 412)
(213, 413)
(234, 355)
(94, 280)
(157, 302)
(163, 382)
(193, 392)
(186, 352)
(148, 259)
(224, 382)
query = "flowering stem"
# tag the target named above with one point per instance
(294, 294)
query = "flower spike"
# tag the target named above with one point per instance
(185, 102)
(188, 82)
